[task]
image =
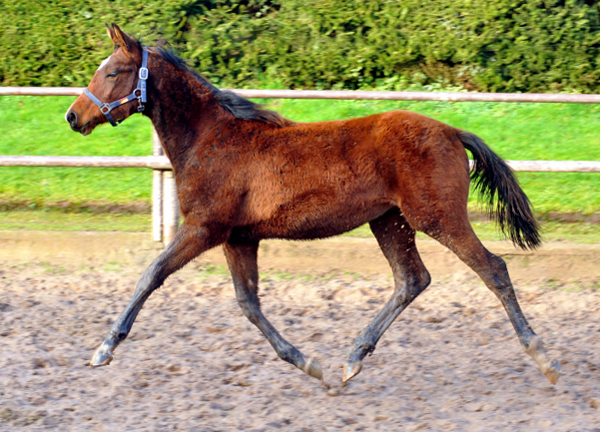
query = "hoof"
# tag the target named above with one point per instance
(553, 372)
(550, 368)
(351, 370)
(313, 368)
(102, 357)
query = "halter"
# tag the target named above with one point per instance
(139, 93)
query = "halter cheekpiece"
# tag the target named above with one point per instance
(139, 93)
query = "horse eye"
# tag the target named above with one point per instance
(112, 75)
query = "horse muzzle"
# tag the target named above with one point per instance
(73, 120)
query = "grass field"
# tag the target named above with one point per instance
(35, 126)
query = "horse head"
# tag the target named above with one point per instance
(119, 79)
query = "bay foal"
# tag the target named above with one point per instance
(245, 174)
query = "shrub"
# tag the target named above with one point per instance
(62, 42)
(500, 45)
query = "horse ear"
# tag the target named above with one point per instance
(121, 39)
(109, 31)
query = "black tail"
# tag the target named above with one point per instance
(512, 209)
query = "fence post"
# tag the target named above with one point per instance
(157, 191)
(165, 206)
(170, 207)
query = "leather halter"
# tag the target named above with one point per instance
(139, 93)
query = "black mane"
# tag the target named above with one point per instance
(240, 107)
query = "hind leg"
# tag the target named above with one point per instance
(242, 261)
(396, 239)
(456, 234)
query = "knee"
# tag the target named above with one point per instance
(424, 280)
(412, 285)
(417, 283)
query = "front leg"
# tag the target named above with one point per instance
(188, 243)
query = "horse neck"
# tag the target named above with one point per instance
(180, 108)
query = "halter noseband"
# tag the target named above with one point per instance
(139, 93)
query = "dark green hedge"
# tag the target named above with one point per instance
(62, 42)
(500, 45)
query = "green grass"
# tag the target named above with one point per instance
(35, 126)
(53, 220)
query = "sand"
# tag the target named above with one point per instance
(192, 362)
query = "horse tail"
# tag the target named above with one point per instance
(503, 197)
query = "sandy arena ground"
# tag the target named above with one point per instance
(193, 362)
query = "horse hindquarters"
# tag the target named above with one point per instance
(436, 204)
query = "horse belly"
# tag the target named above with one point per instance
(307, 222)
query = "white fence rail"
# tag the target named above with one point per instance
(162, 163)
(165, 208)
(350, 95)
(152, 162)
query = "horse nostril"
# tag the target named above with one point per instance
(72, 119)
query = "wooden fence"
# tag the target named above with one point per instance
(165, 208)
(350, 95)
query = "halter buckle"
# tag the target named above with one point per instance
(143, 73)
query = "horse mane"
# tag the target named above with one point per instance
(240, 107)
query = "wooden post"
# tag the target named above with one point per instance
(170, 207)
(157, 205)
(157, 192)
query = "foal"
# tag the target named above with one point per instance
(245, 174)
